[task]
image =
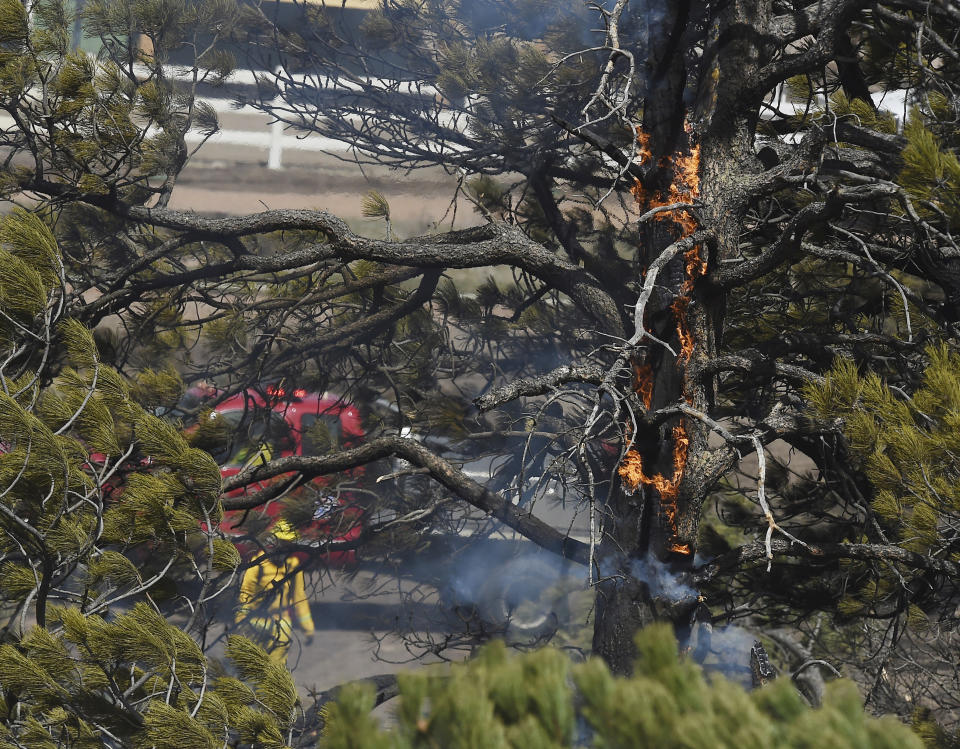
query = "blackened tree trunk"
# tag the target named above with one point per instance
(657, 523)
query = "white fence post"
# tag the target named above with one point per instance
(275, 156)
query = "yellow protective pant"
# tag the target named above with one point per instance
(273, 635)
(269, 594)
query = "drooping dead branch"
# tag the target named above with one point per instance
(442, 471)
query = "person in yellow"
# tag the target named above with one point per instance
(269, 593)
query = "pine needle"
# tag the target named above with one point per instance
(374, 205)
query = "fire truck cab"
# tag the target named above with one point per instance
(276, 423)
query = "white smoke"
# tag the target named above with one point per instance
(662, 582)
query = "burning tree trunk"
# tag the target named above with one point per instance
(656, 510)
(689, 186)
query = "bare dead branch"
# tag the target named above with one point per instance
(650, 281)
(442, 471)
(528, 386)
(831, 552)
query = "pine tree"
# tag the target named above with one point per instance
(540, 699)
(99, 622)
(702, 209)
(827, 225)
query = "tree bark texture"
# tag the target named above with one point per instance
(645, 541)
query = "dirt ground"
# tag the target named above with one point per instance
(419, 202)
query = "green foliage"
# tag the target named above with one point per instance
(542, 700)
(211, 432)
(378, 31)
(933, 735)
(101, 508)
(14, 25)
(489, 194)
(23, 280)
(274, 685)
(89, 110)
(907, 447)
(931, 173)
(157, 389)
(864, 115)
(374, 205)
(80, 680)
(226, 334)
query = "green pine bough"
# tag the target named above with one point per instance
(108, 526)
(541, 700)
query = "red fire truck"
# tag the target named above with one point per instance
(276, 422)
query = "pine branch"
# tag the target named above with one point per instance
(757, 552)
(442, 471)
(490, 244)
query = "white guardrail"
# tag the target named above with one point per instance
(272, 138)
(275, 139)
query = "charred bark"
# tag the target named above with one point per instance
(658, 524)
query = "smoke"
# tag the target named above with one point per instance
(662, 582)
(511, 587)
(725, 650)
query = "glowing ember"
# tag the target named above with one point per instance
(695, 266)
(643, 146)
(682, 191)
(679, 307)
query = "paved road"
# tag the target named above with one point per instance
(355, 632)
(373, 620)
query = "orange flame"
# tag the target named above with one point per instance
(683, 190)
(631, 470)
(643, 383)
(632, 474)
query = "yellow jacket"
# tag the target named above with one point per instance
(259, 595)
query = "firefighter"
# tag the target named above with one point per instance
(272, 598)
